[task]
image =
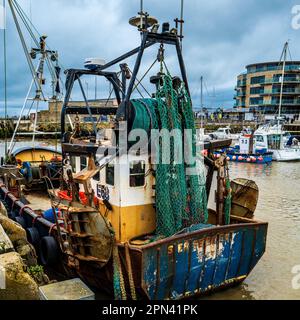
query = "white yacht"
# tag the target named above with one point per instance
(275, 139)
(224, 133)
(272, 136)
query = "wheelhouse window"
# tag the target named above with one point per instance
(110, 174)
(137, 174)
(274, 141)
(96, 177)
(259, 138)
(83, 163)
(73, 164)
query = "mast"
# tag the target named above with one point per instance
(181, 23)
(5, 75)
(283, 55)
(201, 101)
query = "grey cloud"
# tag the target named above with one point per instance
(221, 37)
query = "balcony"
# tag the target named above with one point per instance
(277, 80)
(295, 68)
(295, 102)
(241, 83)
(241, 94)
(286, 91)
(239, 104)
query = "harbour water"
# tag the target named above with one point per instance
(279, 204)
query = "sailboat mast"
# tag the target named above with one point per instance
(201, 101)
(284, 53)
(5, 75)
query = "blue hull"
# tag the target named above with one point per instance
(202, 261)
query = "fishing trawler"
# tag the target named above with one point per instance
(124, 220)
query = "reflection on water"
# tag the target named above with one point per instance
(279, 204)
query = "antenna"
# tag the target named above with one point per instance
(142, 12)
(143, 20)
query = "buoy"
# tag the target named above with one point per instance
(204, 153)
(240, 158)
(234, 158)
(218, 155)
(260, 158)
(228, 158)
(253, 159)
(248, 159)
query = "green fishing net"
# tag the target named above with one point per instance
(180, 191)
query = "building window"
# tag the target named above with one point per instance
(83, 163)
(256, 101)
(257, 80)
(110, 174)
(256, 90)
(137, 174)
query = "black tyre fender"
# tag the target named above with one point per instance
(33, 236)
(21, 221)
(49, 251)
(12, 215)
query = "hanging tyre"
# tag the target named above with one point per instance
(33, 236)
(48, 251)
(21, 221)
(12, 215)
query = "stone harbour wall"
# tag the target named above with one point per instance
(16, 256)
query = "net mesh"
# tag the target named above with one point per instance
(181, 199)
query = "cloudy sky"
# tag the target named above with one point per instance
(221, 38)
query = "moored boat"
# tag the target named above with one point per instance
(274, 139)
(247, 151)
(125, 223)
(271, 135)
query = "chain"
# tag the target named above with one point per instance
(119, 283)
(130, 275)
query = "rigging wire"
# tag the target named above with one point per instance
(136, 87)
(19, 14)
(139, 82)
(36, 30)
(26, 22)
(31, 67)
